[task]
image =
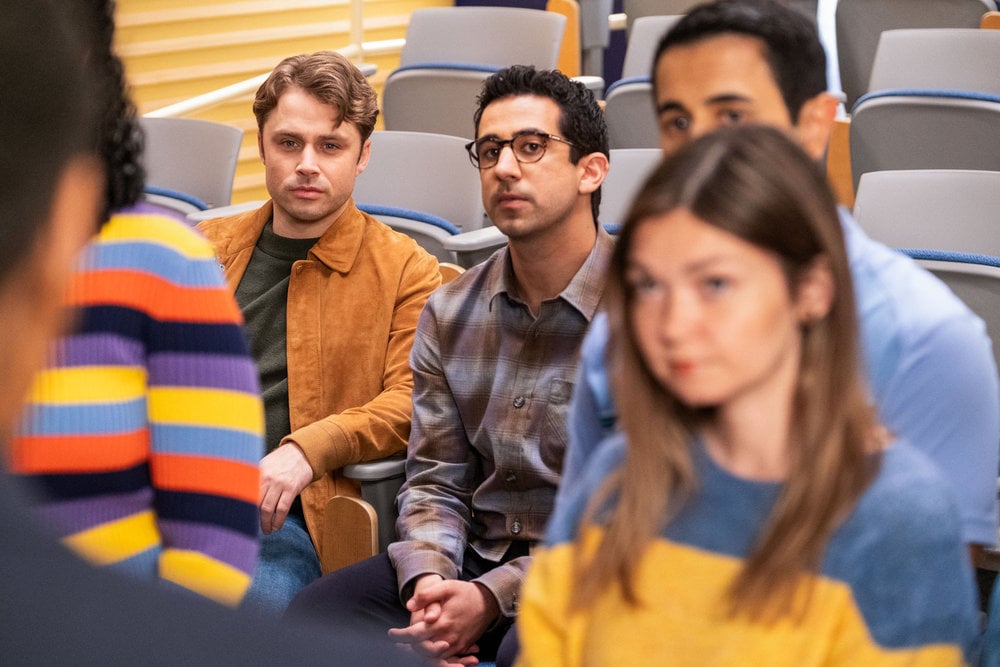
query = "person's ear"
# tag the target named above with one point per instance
(815, 123)
(364, 156)
(260, 146)
(74, 218)
(815, 292)
(593, 169)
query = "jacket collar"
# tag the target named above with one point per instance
(337, 248)
(340, 245)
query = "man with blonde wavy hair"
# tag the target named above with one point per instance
(331, 299)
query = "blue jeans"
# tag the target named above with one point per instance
(287, 563)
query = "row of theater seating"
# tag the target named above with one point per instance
(936, 104)
(449, 51)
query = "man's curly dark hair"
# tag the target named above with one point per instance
(581, 120)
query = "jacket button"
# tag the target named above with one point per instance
(519, 402)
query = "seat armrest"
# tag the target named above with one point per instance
(223, 211)
(374, 471)
(594, 84)
(380, 482)
(473, 247)
(350, 533)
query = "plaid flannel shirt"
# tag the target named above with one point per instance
(491, 387)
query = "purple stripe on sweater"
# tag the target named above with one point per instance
(98, 350)
(225, 545)
(68, 517)
(181, 369)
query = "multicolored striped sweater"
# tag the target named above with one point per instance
(895, 586)
(145, 431)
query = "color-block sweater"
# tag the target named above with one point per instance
(895, 586)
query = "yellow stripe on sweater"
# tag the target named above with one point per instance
(218, 408)
(88, 384)
(143, 228)
(204, 575)
(117, 540)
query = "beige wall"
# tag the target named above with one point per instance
(176, 49)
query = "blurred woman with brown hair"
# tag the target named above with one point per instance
(752, 510)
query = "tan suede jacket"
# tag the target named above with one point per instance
(353, 306)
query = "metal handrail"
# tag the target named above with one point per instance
(221, 95)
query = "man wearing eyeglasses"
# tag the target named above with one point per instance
(493, 364)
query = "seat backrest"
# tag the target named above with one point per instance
(860, 22)
(643, 38)
(195, 157)
(952, 58)
(499, 36)
(473, 247)
(951, 210)
(427, 230)
(178, 202)
(629, 169)
(425, 172)
(919, 129)
(433, 98)
(630, 114)
(637, 8)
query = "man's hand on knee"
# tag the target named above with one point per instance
(283, 474)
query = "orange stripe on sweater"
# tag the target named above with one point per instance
(200, 474)
(45, 454)
(161, 299)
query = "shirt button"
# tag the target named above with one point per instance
(519, 402)
(515, 527)
(511, 478)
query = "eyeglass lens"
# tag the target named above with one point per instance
(528, 147)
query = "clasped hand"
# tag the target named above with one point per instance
(447, 617)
